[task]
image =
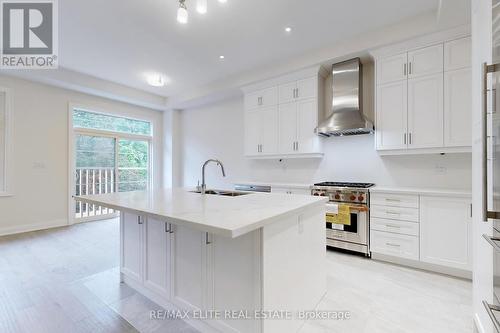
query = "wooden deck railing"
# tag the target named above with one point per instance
(94, 181)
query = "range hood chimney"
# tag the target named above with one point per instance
(346, 116)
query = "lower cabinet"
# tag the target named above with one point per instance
(445, 231)
(436, 232)
(131, 245)
(191, 269)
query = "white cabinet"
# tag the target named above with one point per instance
(445, 231)
(391, 117)
(297, 121)
(157, 266)
(290, 190)
(287, 128)
(425, 61)
(131, 245)
(393, 68)
(296, 90)
(457, 54)
(425, 111)
(189, 268)
(261, 134)
(394, 244)
(423, 99)
(458, 108)
(261, 98)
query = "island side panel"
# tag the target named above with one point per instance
(293, 266)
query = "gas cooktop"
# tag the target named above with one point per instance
(342, 184)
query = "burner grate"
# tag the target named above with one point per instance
(344, 184)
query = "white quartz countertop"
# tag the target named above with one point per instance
(273, 184)
(421, 191)
(226, 216)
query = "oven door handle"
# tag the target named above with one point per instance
(489, 309)
(493, 242)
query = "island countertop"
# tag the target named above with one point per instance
(226, 216)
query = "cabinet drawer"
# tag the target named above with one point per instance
(394, 244)
(394, 226)
(287, 190)
(395, 200)
(395, 213)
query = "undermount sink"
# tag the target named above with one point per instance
(223, 193)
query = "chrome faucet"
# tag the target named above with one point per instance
(203, 184)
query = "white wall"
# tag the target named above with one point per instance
(38, 162)
(216, 131)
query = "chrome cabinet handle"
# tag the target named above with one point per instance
(393, 226)
(171, 228)
(392, 244)
(410, 68)
(395, 200)
(207, 241)
(167, 230)
(486, 214)
(489, 309)
(404, 138)
(297, 93)
(392, 213)
(409, 138)
(404, 69)
(139, 220)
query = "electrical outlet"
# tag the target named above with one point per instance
(439, 169)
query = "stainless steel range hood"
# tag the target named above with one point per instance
(346, 116)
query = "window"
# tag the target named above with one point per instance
(112, 154)
(3, 140)
(98, 121)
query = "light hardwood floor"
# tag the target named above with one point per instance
(67, 280)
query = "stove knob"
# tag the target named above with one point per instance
(337, 196)
(316, 194)
(352, 197)
(361, 198)
(323, 194)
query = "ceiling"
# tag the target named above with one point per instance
(123, 40)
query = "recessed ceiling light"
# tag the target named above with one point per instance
(288, 29)
(222, 57)
(156, 80)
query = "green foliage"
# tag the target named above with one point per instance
(85, 119)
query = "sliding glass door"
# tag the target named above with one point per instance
(111, 154)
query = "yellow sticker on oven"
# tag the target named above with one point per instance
(343, 217)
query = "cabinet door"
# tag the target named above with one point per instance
(131, 245)
(425, 112)
(157, 267)
(391, 117)
(445, 231)
(425, 61)
(252, 100)
(269, 130)
(269, 97)
(286, 92)
(307, 88)
(307, 120)
(287, 127)
(457, 54)
(252, 132)
(392, 68)
(457, 108)
(188, 268)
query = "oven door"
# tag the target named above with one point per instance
(356, 232)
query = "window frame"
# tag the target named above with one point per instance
(73, 131)
(5, 191)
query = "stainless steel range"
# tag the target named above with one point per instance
(347, 215)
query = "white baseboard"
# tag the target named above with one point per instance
(477, 324)
(32, 227)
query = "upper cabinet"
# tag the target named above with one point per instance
(280, 119)
(423, 99)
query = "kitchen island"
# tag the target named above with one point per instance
(240, 262)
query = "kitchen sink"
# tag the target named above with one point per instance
(222, 193)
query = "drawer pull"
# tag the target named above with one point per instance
(392, 244)
(393, 226)
(393, 200)
(392, 213)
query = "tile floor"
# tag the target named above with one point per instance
(67, 280)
